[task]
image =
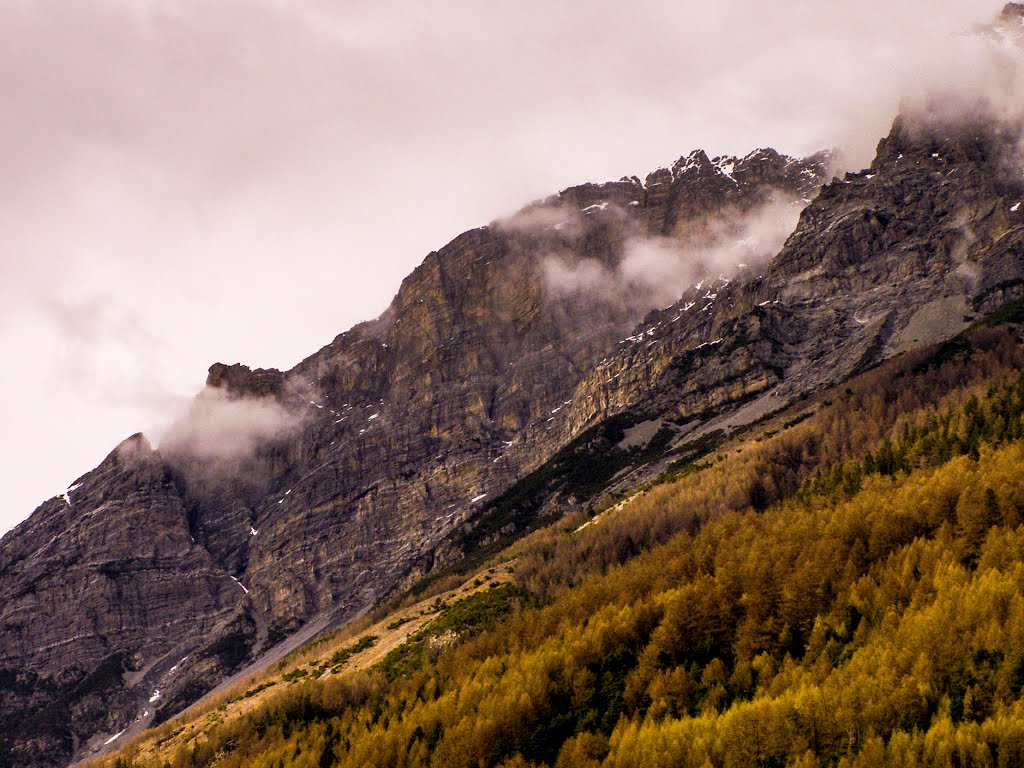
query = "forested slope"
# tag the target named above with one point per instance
(840, 585)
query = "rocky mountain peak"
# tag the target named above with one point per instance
(948, 139)
(241, 381)
(1012, 13)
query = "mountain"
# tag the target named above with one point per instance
(519, 373)
(287, 502)
(904, 254)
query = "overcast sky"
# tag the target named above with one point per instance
(183, 182)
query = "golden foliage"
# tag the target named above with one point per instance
(865, 611)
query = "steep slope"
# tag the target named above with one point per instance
(902, 254)
(905, 253)
(869, 615)
(286, 497)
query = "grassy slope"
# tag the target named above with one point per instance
(869, 615)
(350, 649)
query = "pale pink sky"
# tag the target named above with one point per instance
(185, 182)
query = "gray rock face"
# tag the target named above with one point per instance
(903, 254)
(165, 571)
(94, 593)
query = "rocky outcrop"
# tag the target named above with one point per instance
(98, 587)
(905, 253)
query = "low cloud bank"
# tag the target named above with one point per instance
(655, 271)
(221, 428)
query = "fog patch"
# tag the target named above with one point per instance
(224, 428)
(565, 275)
(978, 75)
(655, 271)
(132, 449)
(543, 217)
(975, 84)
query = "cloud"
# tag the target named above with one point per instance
(545, 216)
(655, 271)
(978, 74)
(565, 275)
(978, 81)
(225, 429)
